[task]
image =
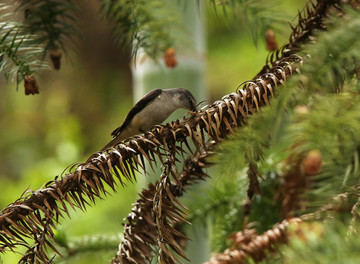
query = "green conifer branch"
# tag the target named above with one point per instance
(320, 242)
(71, 247)
(19, 57)
(255, 16)
(143, 24)
(51, 21)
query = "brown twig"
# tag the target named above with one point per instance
(140, 232)
(247, 244)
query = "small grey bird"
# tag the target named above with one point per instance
(151, 110)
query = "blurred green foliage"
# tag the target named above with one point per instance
(233, 56)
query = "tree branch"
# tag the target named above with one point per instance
(248, 244)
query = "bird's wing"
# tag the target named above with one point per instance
(140, 105)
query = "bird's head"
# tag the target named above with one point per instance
(184, 98)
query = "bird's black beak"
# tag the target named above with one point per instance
(193, 107)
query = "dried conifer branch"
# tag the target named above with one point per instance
(38, 250)
(247, 244)
(167, 212)
(140, 230)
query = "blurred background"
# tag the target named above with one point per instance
(81, 104)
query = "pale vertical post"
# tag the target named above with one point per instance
(190, 74)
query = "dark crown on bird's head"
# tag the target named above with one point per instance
(185, 98)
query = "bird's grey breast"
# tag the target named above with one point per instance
(155, 112)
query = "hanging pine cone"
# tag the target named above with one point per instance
(271, 43)
(30, 85)
(55, 55)
(312, 162)
(170, 58)
(27, 13)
